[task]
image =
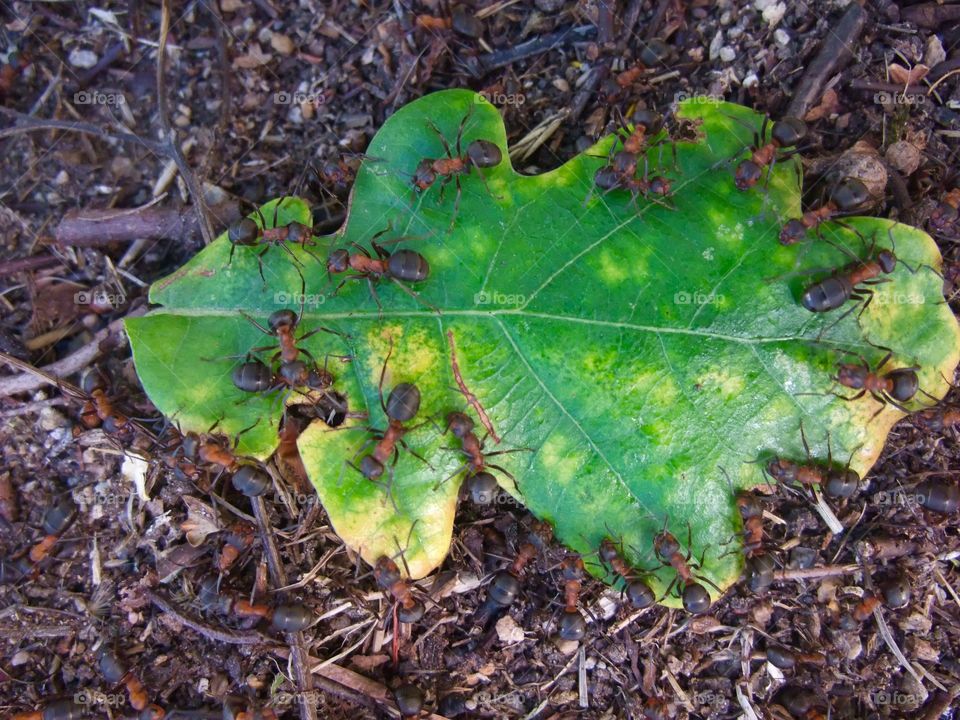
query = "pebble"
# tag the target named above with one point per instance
(728, 54)
(781, 36)
(508, 631)
(715, 45)
(51, 419)
(751, 80)
(81, 58)
(904, 156)
(282, 44)
(774, 13)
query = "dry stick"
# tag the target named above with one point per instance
(170, 135)
(835, 52)
(51, 374)
(91, 228)
(816, 572)
(298, 655)
(232, 637)
(26, 124)
(471, 398)
(35, 262)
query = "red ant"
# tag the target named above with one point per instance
(480, 154)
(388, 577)
(785, 133)
(937, 419)
(63, 709)
(895, 387)
(759, 564)
(239, 537)
(462, 425)
(248, 478)
(506, 584)
(248, 233)
(115, 671)
(283, 618)
(283, 324)
(786, 659)
(400, 266)
(402, 405)
(837, 483)
(56, 520)
(572, 625)
(847, 197)
(638, 592)
(695, 597)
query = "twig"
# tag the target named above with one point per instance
(26, 124)
(35, 262)
(233, 637)
(91, 228)
(471, 398)
(51, 374)
(816, 572)
(540, 44)
(835, 52)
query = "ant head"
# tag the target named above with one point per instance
(424, 176)
(319, 379)
(484, 154)
(695, 598)
(841, 483)
(660, 186)
(665, 545)
(792, 232)
(782, 471)
(572, 568)
(460, 424)
(788, 132)
(281, 318)
(250, 480)
(852, 376)
(93, 380)
(905, 384)
(850, 194)
(657, 709)
(640, 595)
(747, 175)
(624, 163)
(371, 468)
(404, 402)
(338, 261)
(608, 551)
(606, 178)
(386, 572)
(887, 260)
(243, 232)
(748, 505)
(648, 120)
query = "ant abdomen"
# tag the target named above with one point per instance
(404, 402)
(370, 467)
(251, 480)
(291, 618)
(850, 194)
(695, 598)
(640, 595)
(482, 487)
(841, 483)
(409, 700)
(254, 377)
(55, 518)
(781, 657)
(788, 131)
(244, 232)
(572, 625)
(828, 294)
(905, 384)
(484, 154)
(939, 496)
(759, 572)
(411, 612)
(111, 667)
(408, 265)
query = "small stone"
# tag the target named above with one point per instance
(508, 631)
(728, 54)
(904, 156)
(282, 44)
(751, 80)
(934, 54)
(715, 45)
(50, 419)
(773, 14)
(81, 58)
(21, 658)
(781, 37)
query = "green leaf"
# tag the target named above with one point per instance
(631, 352)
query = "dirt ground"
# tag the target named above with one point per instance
(257, 90)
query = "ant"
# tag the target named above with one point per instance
(480, 154)
(786, 659)
(56, 520)
(572, 625)
(409, 699)
(248, 478)
(696, 599)
(506, 584)
(283, 324)
(944, 217)
(283, 618)
(116, 671)
(477, 462)
(801, 703)
(894, 387)
(239, 537)
(402, 405)
(63, 709)
(835, 482)
(400, 266)
(99, 409)
(846, 198)
(638, 592)
(388, 577)
(784, 133)
(247, 232)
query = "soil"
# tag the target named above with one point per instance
(231, 72)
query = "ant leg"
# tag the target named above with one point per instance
(383, 372)
(443, 140)
(412, 294)
(419, 457)
(373, 294)
(257, 325)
